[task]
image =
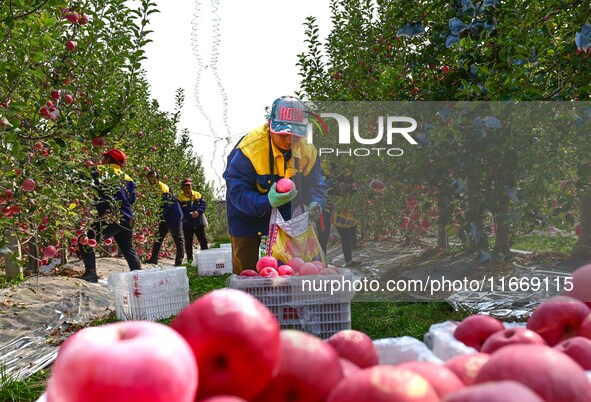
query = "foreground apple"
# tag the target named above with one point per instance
(223, 398)
(581, 280)
(235, 340)
(442, 379)
(554, 376)
(309, 369)
(476, 329)
(558, 318)
(127, 361)
(511, 336)
(579, 349)
(384, 384)
(585, 328)
(348, 368)
(356, 347)
(500, 391)
(466, 367)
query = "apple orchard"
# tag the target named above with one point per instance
(71, 87)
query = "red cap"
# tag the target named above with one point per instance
(187, 181)
(117, 155)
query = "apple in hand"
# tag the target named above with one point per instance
(476, 329)
(231, 334)
(356, 347)
(558, 318)
(511, 336)
(285, 185)
(554, 376)
(309, 369)
(579, 349)
(384, 384)
(129, 361)
(498, 391)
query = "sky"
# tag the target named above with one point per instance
(254, 64)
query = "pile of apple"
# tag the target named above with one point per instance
(228, 347)
(268, 267)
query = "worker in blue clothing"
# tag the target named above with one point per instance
(171, 216)
(262, 157)
(194, 206)
(114, 207)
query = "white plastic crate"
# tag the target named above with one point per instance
(150, 294)
(317, 312)
(213, 261)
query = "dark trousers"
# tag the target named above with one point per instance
(175, 232)
(245, 253)
(123, 235)
(323, 235)
(348, 241)
(188, 233)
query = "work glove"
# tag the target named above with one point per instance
(278, 199)
(314, 211)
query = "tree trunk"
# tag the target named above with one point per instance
(13, 269)
(583, 247)
(444, 215)
(503, 230)
(474, 213)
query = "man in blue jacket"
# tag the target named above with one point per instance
(193, 205)
(116, 195)
(262, 157)
(171, 216)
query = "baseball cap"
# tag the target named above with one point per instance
(186, 181)
(117, 155)
(288, 116)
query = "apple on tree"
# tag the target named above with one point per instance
(128, 361)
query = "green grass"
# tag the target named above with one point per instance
(544, 244)
(27, 390)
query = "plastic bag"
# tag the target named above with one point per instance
(293, 238)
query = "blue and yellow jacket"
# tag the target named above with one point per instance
(193, 203)
(122, 197)
(171, 211)
(253, 166)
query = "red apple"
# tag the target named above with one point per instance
(328, 271)
(285, 270)
(443, 380)
(296, 263)
(558, 318)
(68, 99)
(498, 391)
(55, 95)
(445, 69)
(466, 367)
(28, 185)
(348, 368)
(91, 243)
(511, 336)
(267, 261)
(98, 141)
(49, 252)
(109, 241)
(9, 194)
(153, 148)
(308, 269)
(581, 280)
(231, 334)
(377, 185)
(554, 376)
(70, 46)
(384, 384)
(7, 211)
(38, 145)
(476, 329)
(579, 349)
(356, 347)
(309, 369)
(319, 265)
(585, 328)
(269, 272)
(285, 185)
(125, 361)
(223, 398)
(73, 17)
(84, 240)
(249, 273)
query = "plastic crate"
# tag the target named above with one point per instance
(150, 294)
(319, 312)
(213, 261)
